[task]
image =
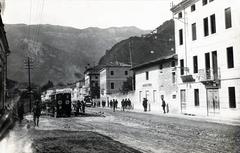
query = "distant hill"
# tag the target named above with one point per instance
(145, 48)
(59, 53)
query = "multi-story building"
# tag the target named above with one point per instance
(77, 93)
(112, 78)
(4, 52)
(207, 34)
(156, 79)
(91, 76)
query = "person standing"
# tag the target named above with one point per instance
(114, 104)
(123, 104)
(36, 112)
(20, 111)
(83, 106)
(145, 103)
(163, 104)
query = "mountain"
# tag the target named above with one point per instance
(59, 53)
(143, 49)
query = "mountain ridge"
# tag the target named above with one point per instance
(60, 53)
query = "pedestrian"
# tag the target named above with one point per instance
(83, 106)
(123, 104)
(145, 102)
(20, 111)
(129, 103)
(163, 104)
(111, 103)
(114, 104)
(36, 112)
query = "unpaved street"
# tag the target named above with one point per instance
(106, 131)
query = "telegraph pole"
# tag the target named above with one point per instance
(29, 65)
(131, 62)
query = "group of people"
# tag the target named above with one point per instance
(113, 104)
(80, 107)
(126, 103)
(164, 105)
(36, 110)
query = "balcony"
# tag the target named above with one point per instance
(209, 77)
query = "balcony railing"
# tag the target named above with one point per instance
(209, 74)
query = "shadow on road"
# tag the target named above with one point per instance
(76, 141)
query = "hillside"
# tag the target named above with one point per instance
(59, 53)
(145, 48)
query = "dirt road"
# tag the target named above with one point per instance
(107, 131)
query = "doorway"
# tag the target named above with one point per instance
(213, 106)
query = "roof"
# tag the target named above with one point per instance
(155, 61)
(182, 5)
(115, 64)
(93, 70)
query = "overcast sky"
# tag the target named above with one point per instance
(145, 14)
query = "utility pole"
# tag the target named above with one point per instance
(29, 65)
(131, 62)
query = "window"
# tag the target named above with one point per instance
(205, 26)
(147, 75)
(230, 59)
(193, 7)
(126, 72)
(173, 77)
(112, 85)
(173, 64)
(180, 15)
(195, 64)
(112, 72)
(96, 77)
(196, 97)
(213, 23)
(204, 2)
(228, 18)
(183, 95)
(181, 66)
(174, 96)
(194, 31)
(232, 98)
(211, 0)
(207, 61)
(180, 37)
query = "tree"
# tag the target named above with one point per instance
(47, 86)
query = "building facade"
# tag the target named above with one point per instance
(91, 76)
(112, 78)
(155, 79)
(207, 34)
(4, 52)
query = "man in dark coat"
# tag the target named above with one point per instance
(163, 104)
(123, 104)
(20, 111)
(145, 102)
(36, 112)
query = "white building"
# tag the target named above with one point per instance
(46, 95)
(207, 34)
(154, 79)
